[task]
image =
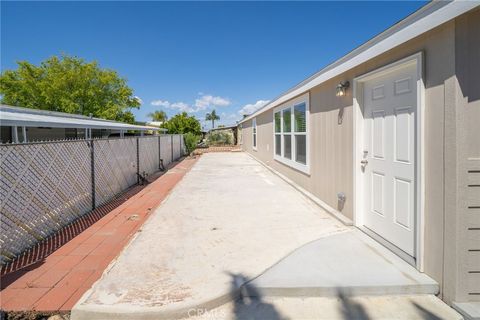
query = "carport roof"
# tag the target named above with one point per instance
(25, 117)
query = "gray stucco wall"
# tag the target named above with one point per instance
(331, 140)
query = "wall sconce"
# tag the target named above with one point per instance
(342, 88)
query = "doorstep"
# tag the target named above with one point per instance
(347, 263)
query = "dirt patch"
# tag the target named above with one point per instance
(34, 315)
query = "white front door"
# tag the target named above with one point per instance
(388, 159)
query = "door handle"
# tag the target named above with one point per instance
(364, 162)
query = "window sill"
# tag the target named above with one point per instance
(293, 164)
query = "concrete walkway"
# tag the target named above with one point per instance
(388, 307)
(231, 220)
(229, 215)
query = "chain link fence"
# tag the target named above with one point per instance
(45, 186)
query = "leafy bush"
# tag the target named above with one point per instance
(182, 123)
(191, 141)
(219, 138)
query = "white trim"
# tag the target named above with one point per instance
(358, 197)
(430, 16)
(254, 134)
(305, 168)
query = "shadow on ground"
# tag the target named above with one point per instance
(425, 314)
(248, 303)
(351, 309)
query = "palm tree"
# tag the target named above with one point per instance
(212, 116)
(158, 115)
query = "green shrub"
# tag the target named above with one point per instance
(219, 138)
(191, 141)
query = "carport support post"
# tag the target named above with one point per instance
(24, 133)
(171, 144)
(15, 134)
(92, 170)
(138, 162)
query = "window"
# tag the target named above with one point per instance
(254, 133)
(290, 134)
(287, 137)
(300, 133)
(278, 134)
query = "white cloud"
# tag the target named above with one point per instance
(202, 103)
(138, 99)
(252, 107)
(160, 103)
(181, 106)
(206, 101)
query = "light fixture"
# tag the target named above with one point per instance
(342, 88)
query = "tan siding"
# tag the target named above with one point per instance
(468, 155)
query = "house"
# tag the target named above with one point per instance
(154, 123)
(386, 138)
(19, 125)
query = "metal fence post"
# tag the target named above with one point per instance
(92, 169)
(182, 141)
(171, 136)
(159, 153)
(138, 162)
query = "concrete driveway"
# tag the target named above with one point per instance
(228, 221)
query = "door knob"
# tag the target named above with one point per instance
(364, 162)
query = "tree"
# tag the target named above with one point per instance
(158, 115)
(69, 84)
(182, 123)
(212, 116)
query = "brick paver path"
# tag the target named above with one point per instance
(57, 282)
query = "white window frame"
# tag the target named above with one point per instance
(254, 134)
(305, 168)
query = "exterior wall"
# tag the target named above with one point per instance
(331, 139)
(463, 232)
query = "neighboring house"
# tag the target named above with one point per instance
(19, 125)
(387, 137)
(154, 123)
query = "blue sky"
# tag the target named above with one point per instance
(195, 56)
